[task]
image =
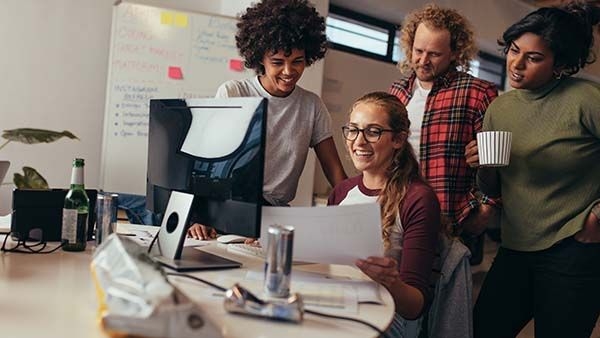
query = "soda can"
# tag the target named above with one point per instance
(278, 260)
(106, 215)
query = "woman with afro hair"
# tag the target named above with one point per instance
(279, 39)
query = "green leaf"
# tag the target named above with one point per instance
(32, 136)
(30, 180)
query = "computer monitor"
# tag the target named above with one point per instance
(213, 149)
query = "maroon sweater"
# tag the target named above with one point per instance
(420, 218)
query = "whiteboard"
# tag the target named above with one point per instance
(158, 53)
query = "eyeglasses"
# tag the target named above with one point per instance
(371, 134)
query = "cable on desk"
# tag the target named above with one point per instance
(381, 333)
(220, 288)
(152, 242)
(29, 249)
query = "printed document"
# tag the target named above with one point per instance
(331, 235)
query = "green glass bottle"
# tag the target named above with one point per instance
(75, 211)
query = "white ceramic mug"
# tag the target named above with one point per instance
(494, 148)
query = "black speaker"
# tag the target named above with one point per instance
(37, 214)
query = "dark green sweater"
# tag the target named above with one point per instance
(553, 179)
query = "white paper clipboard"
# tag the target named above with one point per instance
(332, 235)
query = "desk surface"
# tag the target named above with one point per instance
(52, 295)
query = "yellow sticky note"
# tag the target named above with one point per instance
(181, 20)
(166, 18)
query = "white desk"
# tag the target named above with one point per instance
(52, 295)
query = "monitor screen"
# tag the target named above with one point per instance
(213, 149)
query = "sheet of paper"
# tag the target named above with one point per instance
(5, 223)
(332, 235)
(332, 299)
(364, 291)
(143, 235)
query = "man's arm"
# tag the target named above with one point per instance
(482, 208)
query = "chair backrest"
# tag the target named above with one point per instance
(450, 314)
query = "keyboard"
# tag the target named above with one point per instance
(247, 249)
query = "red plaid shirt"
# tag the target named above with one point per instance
(453, 115)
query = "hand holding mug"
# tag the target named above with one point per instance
(472, 154)
(493, 148)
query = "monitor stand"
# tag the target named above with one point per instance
(171, 237)
(193, 259)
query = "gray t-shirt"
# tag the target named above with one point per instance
(294, 123)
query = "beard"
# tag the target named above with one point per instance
(425, 73)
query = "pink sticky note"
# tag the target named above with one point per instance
(237, 65)
(175, 73)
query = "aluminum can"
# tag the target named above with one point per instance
(278, 260)
(106, 215)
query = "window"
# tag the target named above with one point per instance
(398, 54)
(356, 33)
(366, 36)
(489, 67)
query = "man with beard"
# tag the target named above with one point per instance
(446, 108)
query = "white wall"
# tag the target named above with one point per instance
(54, 65)
(347, 77)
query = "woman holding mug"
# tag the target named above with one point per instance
(548, 265)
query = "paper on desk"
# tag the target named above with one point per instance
(144, 236)
(5, 223)
(333, 235)
(332, 299)
(364, 291)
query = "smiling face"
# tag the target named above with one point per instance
(530, 62)
(431, 54)
(282, 72)
(374, 158)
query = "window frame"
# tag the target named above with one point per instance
(489, 57)
(391, 29)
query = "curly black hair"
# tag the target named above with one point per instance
(568, 31)
(280, 25)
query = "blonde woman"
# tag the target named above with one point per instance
(376, 139)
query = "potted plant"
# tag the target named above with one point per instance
(31, 178)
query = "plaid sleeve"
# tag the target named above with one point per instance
(474, 198)
(472, 201)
